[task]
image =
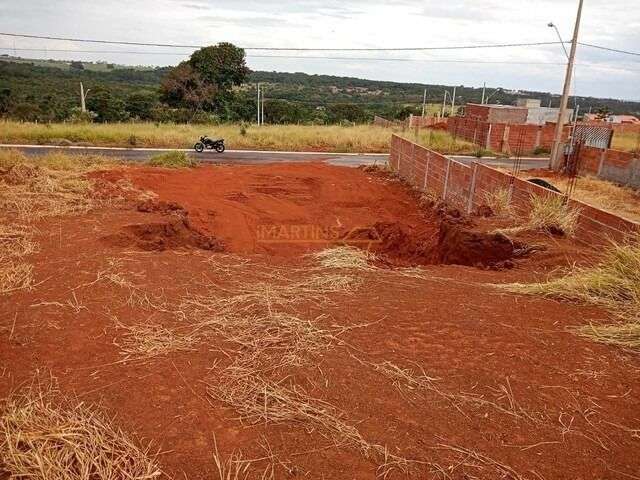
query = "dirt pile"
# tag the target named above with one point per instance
(458, 246)
(450, 244)
(172, 234)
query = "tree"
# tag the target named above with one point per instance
(204, 82)
(5, 100)
(222, 65)
(75, 65)
(106, 107)
(140, 105)
(281, 111)
(183, 86)
(346, 111)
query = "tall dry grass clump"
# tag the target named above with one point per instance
(52, 185)
(553, 214)
(319, 138)
(614, 283)
(499, 201)
(44, 436)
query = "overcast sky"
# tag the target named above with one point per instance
(355, 23)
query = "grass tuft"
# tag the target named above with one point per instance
(344, 257)
(499, 201)
(172, 160)
(614, 283)
(552, 214)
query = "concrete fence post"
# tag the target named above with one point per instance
(413, 164)
(488, 143)
(603, 158)
(538, 138)
(426, 172)
(472, 187)
(446, 180)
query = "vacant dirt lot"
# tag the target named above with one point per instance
(198, 306)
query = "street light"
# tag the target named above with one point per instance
(553, 25)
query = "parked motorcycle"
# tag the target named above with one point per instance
(211, 144)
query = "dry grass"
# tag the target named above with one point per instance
(552, 214)
(499, 201)
(344, 257)
(16, 241)
(51, 185)
(148, 340)
(626, 141)
(44, 436)
(614, 283)
(622, 201)
(271, 295)
(172, 160)
(320, 138)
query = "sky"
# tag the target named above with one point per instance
(353, 24)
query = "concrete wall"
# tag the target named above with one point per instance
(614, 165)
(466, 187)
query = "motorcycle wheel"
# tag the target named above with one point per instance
(220, 147)
(198, 147)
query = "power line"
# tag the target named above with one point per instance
(322, 49)
(626, 52)
(420, 60)
(305, 49)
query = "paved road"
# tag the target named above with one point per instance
(255, 157)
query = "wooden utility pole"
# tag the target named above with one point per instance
(424, 102)
(557, 150)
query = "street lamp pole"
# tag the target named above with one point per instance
(556, 151)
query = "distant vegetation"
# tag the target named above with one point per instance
(319, 138)
(195, 92)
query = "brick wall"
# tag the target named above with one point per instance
(502, 137)
(496, 114)
(614, 165)
(466, 187)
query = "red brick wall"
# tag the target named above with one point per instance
(493, 114)
(615, 165)
(526, 137)
(466, 187)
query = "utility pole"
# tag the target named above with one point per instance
(424, 102)
(484, 89)
(83, 98)
(453, 100)
(556, 151)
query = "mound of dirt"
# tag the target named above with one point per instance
(458, 246)
(397, 242)
(159, 236)
(159, 206)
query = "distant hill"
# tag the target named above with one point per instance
(56, 82)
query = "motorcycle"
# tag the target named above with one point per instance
(206, 142)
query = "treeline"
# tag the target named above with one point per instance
(196, 91)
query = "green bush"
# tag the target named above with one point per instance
(172, 160)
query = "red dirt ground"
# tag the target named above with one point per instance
(562, 406)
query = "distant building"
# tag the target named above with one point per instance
(615, 119)
(527, 111)
(496, 113)
(528, 103)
